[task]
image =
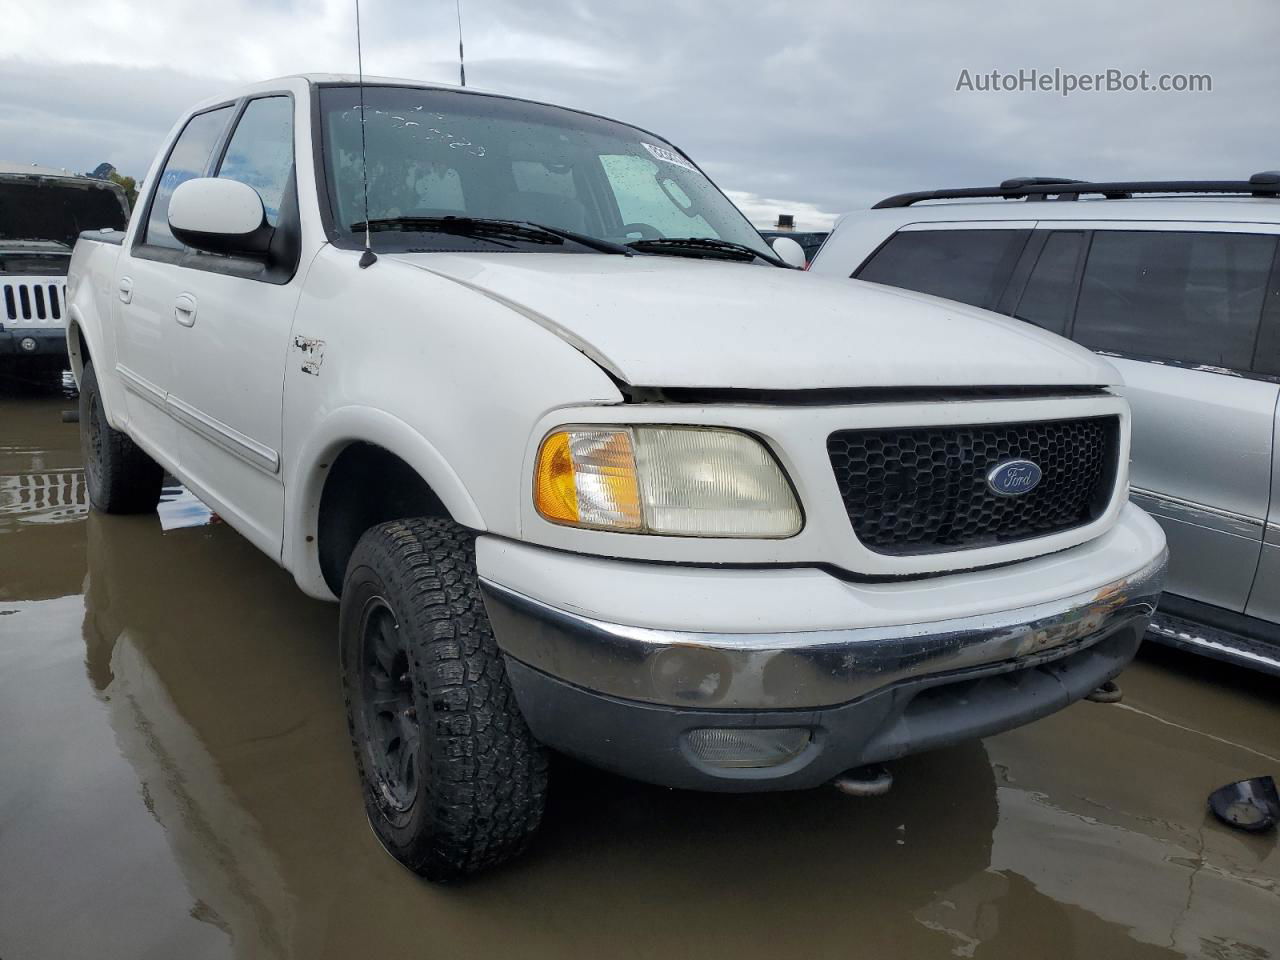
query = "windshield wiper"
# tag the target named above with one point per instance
(702, 247)
(490, 228)
(595, 243)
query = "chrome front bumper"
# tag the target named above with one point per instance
(807, 670)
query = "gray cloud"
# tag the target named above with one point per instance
(831, 104)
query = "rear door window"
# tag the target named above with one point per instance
(1050, 291)
(1191, 297)
(1266, 358)
(971, 266)
(188, 159)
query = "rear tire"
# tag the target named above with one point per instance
(453, 780)
(120, 477)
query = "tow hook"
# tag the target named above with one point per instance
(1109, 692)
(873, 780)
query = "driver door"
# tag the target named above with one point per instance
(230, 330)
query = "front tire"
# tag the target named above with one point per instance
(453, 781)
(121, 478)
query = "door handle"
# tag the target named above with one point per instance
(184, 309)
(126, 290)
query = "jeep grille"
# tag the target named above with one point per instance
(39, 301)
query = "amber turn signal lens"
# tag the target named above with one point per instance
(554, 493)
(587, 478)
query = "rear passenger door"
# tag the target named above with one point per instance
(1178, 308)
(147, 285)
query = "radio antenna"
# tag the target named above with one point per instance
(368, 258)
(462, 68)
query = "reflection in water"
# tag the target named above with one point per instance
(176, 766)
(179, 508)
(223, 696)
(1195, 907)
(42, 498)
(53, 496)
(1106, 869)
(161, 629)
(232, 877)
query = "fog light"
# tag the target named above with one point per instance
(747, 746)
(28, 344)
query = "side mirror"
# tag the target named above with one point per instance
(788, 250)
(220, 216)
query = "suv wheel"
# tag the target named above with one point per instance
(120, 477)
(453, 781)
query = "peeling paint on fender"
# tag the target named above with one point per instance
(312, 354)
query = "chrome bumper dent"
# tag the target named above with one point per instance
(776, 671)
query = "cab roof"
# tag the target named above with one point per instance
(299, 81)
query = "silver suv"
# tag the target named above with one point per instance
(1179, 284)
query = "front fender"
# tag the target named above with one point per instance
(303, 488)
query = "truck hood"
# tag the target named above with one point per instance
(677, 322)
(38, 206)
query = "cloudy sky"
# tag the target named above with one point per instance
(806, 107)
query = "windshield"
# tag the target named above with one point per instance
(439, 153)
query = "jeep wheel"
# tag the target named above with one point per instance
(453, 781)
(120, 477)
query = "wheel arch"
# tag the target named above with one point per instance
(77, 346)
(362, 468)
(86, 344)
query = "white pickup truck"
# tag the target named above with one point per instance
(588, 465)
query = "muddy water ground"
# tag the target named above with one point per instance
(175, 782)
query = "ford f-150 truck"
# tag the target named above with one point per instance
(588, 465)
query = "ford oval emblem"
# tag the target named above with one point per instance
(1013, 478)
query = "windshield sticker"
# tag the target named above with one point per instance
(668, 156)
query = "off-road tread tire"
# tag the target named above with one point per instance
(125, 479)
(483, 777)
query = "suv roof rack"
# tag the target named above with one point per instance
(1265, 184)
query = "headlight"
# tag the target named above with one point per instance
(677, 481)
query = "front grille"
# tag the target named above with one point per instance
(924, 490)
(38, 302)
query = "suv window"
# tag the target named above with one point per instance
(1050, 292)
(1267, 358)
(1183, 296)
(971, 266)
(189, 158)
(260, 153)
